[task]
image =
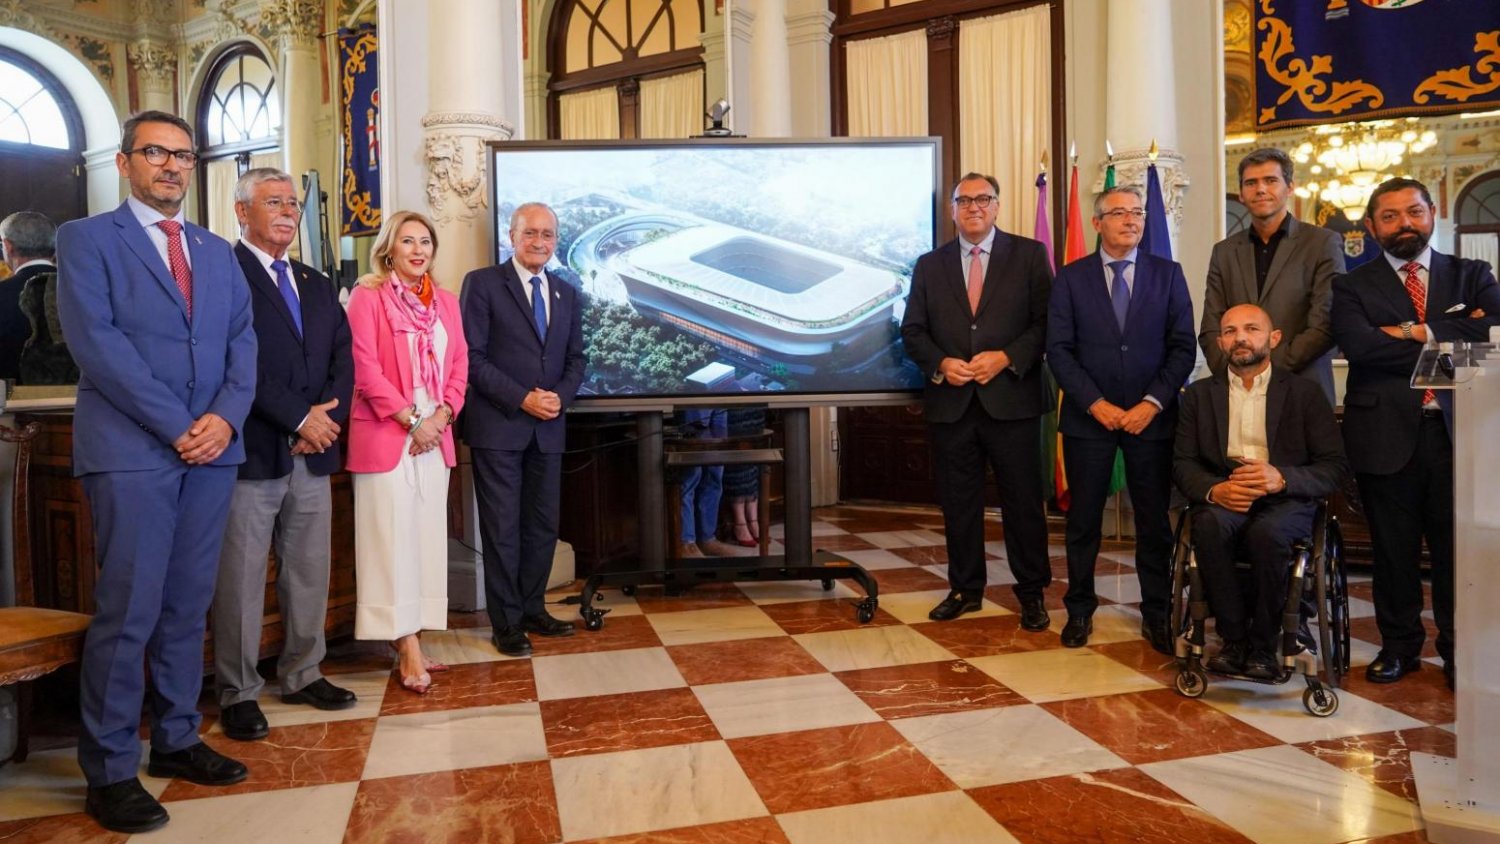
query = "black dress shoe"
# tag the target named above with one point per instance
(1230, 659)
(1388, 667)
(953, 606)
(1034, 615)
(323, 695)
(244, 721)
(546, 625)
(200, 764)
(1158, 631)
(1075, 634)
(512, 641)
(1260, 665)
(125, 806)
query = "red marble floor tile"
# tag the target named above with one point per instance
(620, 632)
(743, 659)
(505, 803)
(841, 542)
(1423, 695)
(463, 686)
(997, 634)
(800, 617)
(58, 829)
(606, 723)
(355, 655)
(290, 757)
(1158, 725)
(1384, 759)
(907, 580)
(1364, 590)
(1052, 598)
(468, 620)
(928, 688)
(1365, 628)
(814, 769)
(1140, 656)
(710, 596)
(927, 555)
(1102, 566)
(748, 831)
(879, 524)
(1104, 807)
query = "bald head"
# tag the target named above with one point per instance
(1246, 338)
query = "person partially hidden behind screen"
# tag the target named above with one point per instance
(32, 350)
(1254, 489)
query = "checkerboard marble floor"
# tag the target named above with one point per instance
(766, 713)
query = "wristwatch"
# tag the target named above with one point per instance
(1406, 329)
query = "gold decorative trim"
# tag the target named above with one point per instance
(1304, 79)
(1459, 83)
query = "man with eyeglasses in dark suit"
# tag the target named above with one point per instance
(975, 324)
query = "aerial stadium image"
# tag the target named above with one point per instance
(723, 269)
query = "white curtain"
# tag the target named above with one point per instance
(1005, 106)
(886, 85)
(672, 106)
(1481, 246)
(589, 115)
(222, 174)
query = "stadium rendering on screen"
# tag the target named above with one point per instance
(716, 268)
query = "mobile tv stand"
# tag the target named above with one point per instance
(799, 562)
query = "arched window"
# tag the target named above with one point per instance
(1477, 218)
(625, 69)
(41, 142)
(1236, 215)
(239, 127)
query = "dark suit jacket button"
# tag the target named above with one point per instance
(194, 341)
(973, 328)
(191, 384)
(1124, 348)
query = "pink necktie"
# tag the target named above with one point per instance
(1419, 301)
(177, 261)
(976, 279)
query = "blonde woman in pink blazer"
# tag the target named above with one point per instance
(411, 367)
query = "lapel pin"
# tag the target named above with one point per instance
(198, 240)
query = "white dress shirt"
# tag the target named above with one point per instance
(526, 276)
(148, 217)
(1247, 417)
(265, 261)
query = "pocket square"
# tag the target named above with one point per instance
(1455, 308)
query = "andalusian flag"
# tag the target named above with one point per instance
(1116, 477)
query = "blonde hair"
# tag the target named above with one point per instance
(385, 243)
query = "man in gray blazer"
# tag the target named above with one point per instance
(1284, 266)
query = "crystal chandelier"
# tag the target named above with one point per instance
(1349, 159)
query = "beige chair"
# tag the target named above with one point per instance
(33, 641)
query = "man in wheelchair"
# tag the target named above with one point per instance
(1256, 448)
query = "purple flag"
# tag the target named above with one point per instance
(1043, 228)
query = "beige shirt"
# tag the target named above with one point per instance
(1247, 417)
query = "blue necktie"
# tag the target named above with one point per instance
(538, 307)
(1119, 291)
(288, 295)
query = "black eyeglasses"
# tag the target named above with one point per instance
(976, 201)
(157, 156)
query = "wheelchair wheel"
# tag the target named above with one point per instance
(1338, 605)
(1180, 552)
(1190, 682)
(1320, 701)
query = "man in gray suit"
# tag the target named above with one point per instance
(1284, 266)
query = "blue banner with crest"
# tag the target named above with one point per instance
(359, 86)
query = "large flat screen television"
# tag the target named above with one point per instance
(736, 270)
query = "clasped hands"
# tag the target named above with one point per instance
(982, 368)
(1250, 481)
(318, 430)
(204, 441)
(543, 404)
(1116, 418)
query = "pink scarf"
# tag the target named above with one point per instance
(407, 315)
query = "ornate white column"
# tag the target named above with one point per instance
(465, 102)
(295, 25)
(807, 38)
(155, 67)
(715, 62)
(770, 72)
(738, 23)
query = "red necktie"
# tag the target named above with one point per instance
(1418, 296)
(976, 278)
(177, 261)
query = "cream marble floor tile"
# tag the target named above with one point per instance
(604, 673)
(997, 572)
(1280, 795)
(878, 558)
(457, 738)
(1062, 674)
(1360, 608)
(618, 603)
(913, 607)
(715, 625)
(996, 547)
(1362, 653)
(1123, 588)
(902, 538)
(50, 782)
(949, 817)
(871, 647)
(1278, 710)
(1111, 624)
(637, 791)
(460, 647)
(1009, 744)
(368, 686)
(782, 704)
(316, 815)
(789, 591)
(1126, 557)
(819, 528)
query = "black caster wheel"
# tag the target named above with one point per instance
(1320, 702)
(593, 621)
(866, 612)
(827, 585)
(628, 590)
(1190, 682)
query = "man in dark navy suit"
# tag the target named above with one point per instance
(975, 325)
(304, 380)
(1120, 344)
(158, 317)
(526, 361)
(1399, 438)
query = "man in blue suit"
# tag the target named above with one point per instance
(526, 361)
(1120, 344)
(157, 315)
